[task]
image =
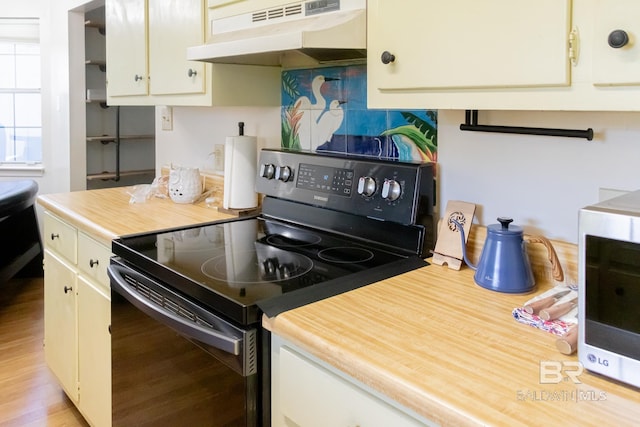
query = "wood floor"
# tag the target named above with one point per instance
(29, 394)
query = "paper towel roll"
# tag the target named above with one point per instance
(240, 169)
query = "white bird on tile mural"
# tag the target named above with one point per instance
(311, 112)
(328, 123)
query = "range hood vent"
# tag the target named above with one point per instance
(311, 32)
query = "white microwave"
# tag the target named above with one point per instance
(609, 288)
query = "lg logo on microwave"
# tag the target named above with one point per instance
(595, 359)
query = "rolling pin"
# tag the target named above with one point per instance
(536, 306)
(558, 310)
(568, 343)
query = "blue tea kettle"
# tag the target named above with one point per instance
(504, 264)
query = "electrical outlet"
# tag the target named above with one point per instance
(609, 193)
(166, 115)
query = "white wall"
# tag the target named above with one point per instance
(196, 130)
(541, 182)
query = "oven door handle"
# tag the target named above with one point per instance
(189, 329)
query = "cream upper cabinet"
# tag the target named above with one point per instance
(456, 44)
(616, 54)
(175, 25)
(504, 54)
(126, 47)
(146, 50)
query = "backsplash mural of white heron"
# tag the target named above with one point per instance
(325, 109)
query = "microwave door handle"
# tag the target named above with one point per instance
(189, 329)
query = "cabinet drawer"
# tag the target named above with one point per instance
(93, 260)
(60, 237)
(310, 395)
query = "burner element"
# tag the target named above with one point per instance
(265, 264)
(345, 255)
(300, 240)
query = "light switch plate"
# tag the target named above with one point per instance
(166, 115)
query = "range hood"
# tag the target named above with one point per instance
(305, 32)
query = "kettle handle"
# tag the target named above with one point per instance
(556, 268)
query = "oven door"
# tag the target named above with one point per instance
(174, 362)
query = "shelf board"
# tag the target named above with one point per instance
(94, 24)
(112, 175)
(111, 138)
(100, 63)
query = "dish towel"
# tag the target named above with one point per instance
(558, 326)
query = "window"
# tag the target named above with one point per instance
(20, 99)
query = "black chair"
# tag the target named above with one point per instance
(20, 243)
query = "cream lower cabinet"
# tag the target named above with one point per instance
(77, 311)
(146, 50)
(308, 393)
(60, 322)
(504, 54)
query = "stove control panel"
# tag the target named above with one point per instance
(387, 190)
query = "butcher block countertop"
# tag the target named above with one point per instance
(107, 213)
(450, 350)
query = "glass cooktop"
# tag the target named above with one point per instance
(229, 266)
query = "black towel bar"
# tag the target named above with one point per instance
(471, 124)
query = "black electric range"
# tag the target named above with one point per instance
(187, 343)
(328, 224)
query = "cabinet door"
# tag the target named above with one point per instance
(175, 25)
(126, 47)
(450, 44)
(616, 53)
(94, 352)
(60, 328)
(312, 396)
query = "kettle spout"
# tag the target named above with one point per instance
(464, 246)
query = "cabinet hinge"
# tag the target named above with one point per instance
(574, 46)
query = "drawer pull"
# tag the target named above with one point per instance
(192, 72)
(67, 289)
(92, 263)
(54, 236)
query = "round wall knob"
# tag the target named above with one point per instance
(391, 190)
(283, 173)
(387, 57)
(267, 171)
(618, 39)
(366, 186)
(191, 72)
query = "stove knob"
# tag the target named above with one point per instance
(267, 170)
(391, 190)
(366, 186)
(283, 173)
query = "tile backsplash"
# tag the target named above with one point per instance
(325, 109)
